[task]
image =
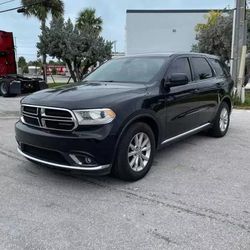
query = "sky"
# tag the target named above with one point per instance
(113, 13)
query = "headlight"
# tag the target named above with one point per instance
(94, 116)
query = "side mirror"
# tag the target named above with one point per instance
(177, 79)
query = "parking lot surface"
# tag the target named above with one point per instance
(196, 196)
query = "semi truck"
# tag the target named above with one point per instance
(11, 83)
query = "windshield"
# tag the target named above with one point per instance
(132, 69)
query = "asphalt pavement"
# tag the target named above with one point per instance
(196, 196)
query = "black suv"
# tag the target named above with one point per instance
(122, 112)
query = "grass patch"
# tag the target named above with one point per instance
(246, 105)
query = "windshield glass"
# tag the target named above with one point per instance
(129, 69)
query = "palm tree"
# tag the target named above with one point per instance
(87, 18)
(41, 10)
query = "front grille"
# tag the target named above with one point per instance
(62, 125)
(31, 120)
(57, 113)
(30, 110)
(48, 118)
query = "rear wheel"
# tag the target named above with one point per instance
(135, 153)
(221, 122)
(4, 88)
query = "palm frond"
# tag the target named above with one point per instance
(41, 9)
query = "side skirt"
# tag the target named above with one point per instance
(186, 134)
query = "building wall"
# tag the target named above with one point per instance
(150, 31)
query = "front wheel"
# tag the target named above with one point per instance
(135, 153)
(221, 122)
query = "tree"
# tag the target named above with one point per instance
(23, 64)
(79, 49)
(41, 10)
(87, 18)
(215, 36)
(36, 63)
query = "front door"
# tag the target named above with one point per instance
(182, 102)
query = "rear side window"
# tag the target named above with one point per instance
(217, 67)
(180, 65)
(202, 69)
(225, 68)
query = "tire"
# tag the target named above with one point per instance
(131, 162)
(4, 88)
(221, 122)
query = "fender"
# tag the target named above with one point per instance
(220, 100)
(136, 116)
(227, 97)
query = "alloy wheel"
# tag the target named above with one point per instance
(224, 119)
(139, 152)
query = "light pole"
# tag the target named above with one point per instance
(239, 47)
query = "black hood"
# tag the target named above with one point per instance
(86, 95)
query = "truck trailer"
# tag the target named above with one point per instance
(12, 84)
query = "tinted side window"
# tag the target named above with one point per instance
(217, 66)
(202, 69)
(180, 65)
(225, 68)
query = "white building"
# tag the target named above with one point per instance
(152, 31)
(33, 70)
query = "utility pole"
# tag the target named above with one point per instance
(239, 47)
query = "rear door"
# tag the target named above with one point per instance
(182, 102)
(207, 86)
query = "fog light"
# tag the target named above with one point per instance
(75, 159)
(80, 159)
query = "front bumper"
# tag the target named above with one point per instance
(68, 151)
(97, 168)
